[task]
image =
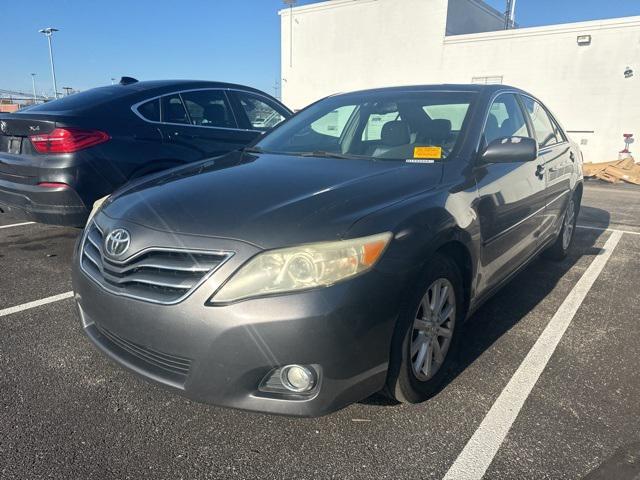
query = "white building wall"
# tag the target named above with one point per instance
(345, 45)
(584, 86)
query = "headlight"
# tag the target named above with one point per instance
(303, 267)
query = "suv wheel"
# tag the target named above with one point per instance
(426, 338)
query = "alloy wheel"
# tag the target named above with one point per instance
(433, 329)
(569, 224)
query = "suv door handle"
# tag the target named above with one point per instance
(540, 171)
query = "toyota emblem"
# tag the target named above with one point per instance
(117, 242)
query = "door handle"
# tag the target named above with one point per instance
(176, 135)
(540, 171)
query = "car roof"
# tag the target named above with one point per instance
(449, 87)
(170, 85)
(95, 97)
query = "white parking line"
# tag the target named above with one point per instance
(604, 229)
(35, 303)
(478, 453)
(16, 225)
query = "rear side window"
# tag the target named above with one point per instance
(173, 110)
(209, 108)
(150, 110)
(260, 113)
(545, 130)
(455, 113)
(505, 119)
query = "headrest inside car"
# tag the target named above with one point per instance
(395, 133)
(440, 129)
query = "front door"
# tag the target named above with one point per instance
(511, 198)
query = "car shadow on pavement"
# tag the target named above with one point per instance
(516, 300)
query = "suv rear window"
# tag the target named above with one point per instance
(82, 100)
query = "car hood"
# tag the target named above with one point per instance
(267, 199)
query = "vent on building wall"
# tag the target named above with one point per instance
(491, 80)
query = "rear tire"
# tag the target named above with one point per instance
(560, 248)
(426, 340)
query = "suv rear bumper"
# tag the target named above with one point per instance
(57, 206)
(22, 192)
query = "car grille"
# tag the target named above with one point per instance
(172, 366)
(158, 275)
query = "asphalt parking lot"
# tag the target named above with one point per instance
(67, 412)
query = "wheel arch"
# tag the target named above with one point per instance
(578, 191)
(458, 252)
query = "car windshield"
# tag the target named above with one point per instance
(392, 125)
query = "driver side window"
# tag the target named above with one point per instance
(505, 119)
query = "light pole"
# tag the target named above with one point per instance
(291, 4)
(33, 85)
(510, 15)
(48, 32)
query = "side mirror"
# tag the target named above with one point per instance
(510, 149)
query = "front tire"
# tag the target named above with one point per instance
(426, 340)
(560, 248)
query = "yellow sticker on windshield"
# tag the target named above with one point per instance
(434, 153)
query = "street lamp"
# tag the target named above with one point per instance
(48, 32)
(510, 15)
(291, 4)
(33, 85)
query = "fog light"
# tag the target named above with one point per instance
(297, 378)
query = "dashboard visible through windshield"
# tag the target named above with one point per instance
(393, 125)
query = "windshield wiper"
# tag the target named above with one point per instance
(323, 153)
(252, 150)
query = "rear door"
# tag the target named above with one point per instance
(511, 197)
(557, 160)
(200, 124)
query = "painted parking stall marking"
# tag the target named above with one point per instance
(604, 229)
(16, 225)
(478, 453)
(35, 303)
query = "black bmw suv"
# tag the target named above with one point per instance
(58, 158)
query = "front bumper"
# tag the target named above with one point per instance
(221, 354)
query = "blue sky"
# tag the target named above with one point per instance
(232, 40)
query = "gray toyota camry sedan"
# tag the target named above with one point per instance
(338, 256)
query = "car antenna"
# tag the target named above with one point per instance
(128, 80)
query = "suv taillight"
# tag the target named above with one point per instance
(67, 140)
